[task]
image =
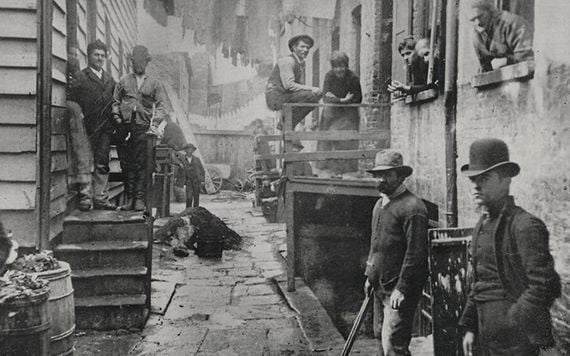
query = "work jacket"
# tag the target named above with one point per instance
(526, 271)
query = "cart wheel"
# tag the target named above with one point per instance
(216, 178)
(239, 185)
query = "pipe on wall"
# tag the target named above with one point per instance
(450, 95)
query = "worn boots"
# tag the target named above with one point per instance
(85, 192)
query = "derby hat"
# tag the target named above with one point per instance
(189, 145)
(390, 160)
(487, 154)
(295, 39)
(140, 52)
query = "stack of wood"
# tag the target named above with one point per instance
(183, 230)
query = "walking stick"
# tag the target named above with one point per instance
(357, 323)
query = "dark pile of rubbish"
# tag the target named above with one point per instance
(194, 225)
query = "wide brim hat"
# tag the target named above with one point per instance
(140, 52)
(387, 160)
(189, 145)
(293, 41)
(488, 154)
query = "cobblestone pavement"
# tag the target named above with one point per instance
(230, 306)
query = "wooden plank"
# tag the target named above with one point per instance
(18, 81)
(59, 45)
(59, 98)
(58, 76)
(59, 161)
(17, 196)
(18, 4)
(59, 22)
(290, 220)
(59, 143)
(18, 167)
(333, 188)
(14, 139)
(18, 60)
(57, 206)
(269, 138)
(519, 71)
(18, 24)
(338, 135)
(18, 110)
(324, 155)
(55, 226)
(59, 184)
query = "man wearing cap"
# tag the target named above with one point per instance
(500, 37)
(287, 81)
(138, 103)
(300, 168)
(92, 88)
(191, 174)
(514, 281)
(397, 265)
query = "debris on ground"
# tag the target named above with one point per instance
(35, 263)
(183, 230)
(18, 285)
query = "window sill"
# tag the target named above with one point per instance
(422, 96)
(518, 71)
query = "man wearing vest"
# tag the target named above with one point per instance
(287, 81)
(514, 281)
(397, 265)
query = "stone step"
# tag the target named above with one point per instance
(108, 281)
(97, 254)
(100, 225)
(111, 312)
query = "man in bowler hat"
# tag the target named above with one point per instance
(287, 81)
(514, 282)
(138, 105)
(397, 264)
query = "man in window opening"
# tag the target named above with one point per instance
(500, 37)
(514, 281)
(138, 105)
(286, 83)
(416, 55)
(92, 88)
(397, 265)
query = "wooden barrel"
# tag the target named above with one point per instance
(24, 326)
(61, 309)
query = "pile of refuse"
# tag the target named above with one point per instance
(18, 285)
(35, 263)
(183, 231)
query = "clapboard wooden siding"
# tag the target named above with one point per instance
(18, 100)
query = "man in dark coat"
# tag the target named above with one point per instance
(416, 55)
(397, 265)
(138, 103)
(499, 35)
(286, 83)
(92, 88)
(192, 173)
(514, 281)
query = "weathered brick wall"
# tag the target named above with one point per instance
(418, 132)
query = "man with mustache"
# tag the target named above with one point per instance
(514, 281)
(397, 266)
(287, 81)
(92, 88)
(500, 37)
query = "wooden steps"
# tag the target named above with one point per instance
(110, 254)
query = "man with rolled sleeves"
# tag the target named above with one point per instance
(514, 281)
(286, 83)
(397, 265)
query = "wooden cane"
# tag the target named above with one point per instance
(357, 323)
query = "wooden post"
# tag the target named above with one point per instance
(43, 120)
(149, 169)
(289, 199)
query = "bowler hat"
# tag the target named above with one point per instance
(295, 39)
(140, 52)
(189, 145)
(390, 160)
(487, 154)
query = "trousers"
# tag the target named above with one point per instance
(132, 154)
(101, 148)
(192, 194)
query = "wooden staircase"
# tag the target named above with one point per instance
(110, 253)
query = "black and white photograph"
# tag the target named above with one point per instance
(284, 177)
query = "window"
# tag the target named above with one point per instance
(524, 8)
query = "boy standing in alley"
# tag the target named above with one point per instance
(192, 173)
